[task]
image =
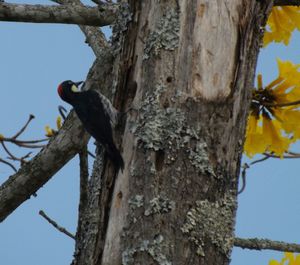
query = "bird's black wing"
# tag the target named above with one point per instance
(96, 121)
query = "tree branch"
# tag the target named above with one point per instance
(61, 148)
(34, 174)
(72, 14)
(84, 181)
(286, 2)
(58, 227)
(94, 36)
(260, 244)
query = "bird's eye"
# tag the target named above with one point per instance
(74, 88)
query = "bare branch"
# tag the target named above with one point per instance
(83, 201)
(9, 164)
(94, 36)
(31, 117)
(8, 152)
(84, 176)
(69, 140)
(58, 227)
(289, 155)
(98, 2)
(286, 2)
(91, 154)
(73, 14)
(286, 104)
(260, 244)
(34, 174)
(62, 111)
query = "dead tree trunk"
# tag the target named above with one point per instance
(191, 65)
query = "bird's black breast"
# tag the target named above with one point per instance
(90, 111)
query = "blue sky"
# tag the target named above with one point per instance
(34, 60)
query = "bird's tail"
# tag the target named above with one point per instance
(114, 155)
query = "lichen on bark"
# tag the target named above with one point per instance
(211, 220)
(154, 247)
(165, 35)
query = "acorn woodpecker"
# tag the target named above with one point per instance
(97, 115)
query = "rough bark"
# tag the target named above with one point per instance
(193, 63)
(74, 14)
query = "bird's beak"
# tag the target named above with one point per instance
(78, 83)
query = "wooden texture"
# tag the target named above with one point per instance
(193, 63)
(74, 14)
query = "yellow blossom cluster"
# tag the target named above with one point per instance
(288, 259)
(274, 120)
(282, 21)
(49, 131)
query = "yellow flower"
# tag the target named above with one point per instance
(255, 142)
(277, 107)
(274, 262)
(277, 144)
(282, 22)
(58, 122)
(288, 259)
(49, 131)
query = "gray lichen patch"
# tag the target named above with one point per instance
(136, 202)
(159, 204)
(165, 36)
(200, 160)
(155, 248)
(158, 128)
(212, 220)
(119, 26)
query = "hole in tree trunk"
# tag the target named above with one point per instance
(159, 159)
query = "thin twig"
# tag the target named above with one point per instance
(59, 228)
(91, 154)
(284, 156)
(98, 2)
(247, 166)
(286, 2)
(83, 200)
(286, 104)
(8, 152)
(243, 174)
(9, 164)
(31, 117)
(62, 111)
(31, 145)
(260, 244)
(259, 160)
(17, 142)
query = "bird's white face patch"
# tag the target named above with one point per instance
(74, 88)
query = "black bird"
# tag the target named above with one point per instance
(97, 115)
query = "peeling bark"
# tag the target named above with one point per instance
(175, 203)
(75, 14)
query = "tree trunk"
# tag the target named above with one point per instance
(192, 64)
